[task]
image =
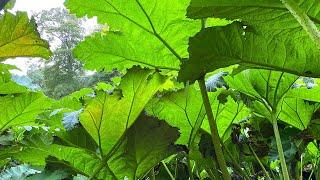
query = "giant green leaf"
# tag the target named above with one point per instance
(147, 142)
(297, 112)
(294, 18)
(266, 88)
(268, 37)
(184, 109)
(261, 14)
(37, 147)
(73, 100)
(144, 145)
(229, 114)
(303, 19)
(19, 37)
(21, 109)
(273, 91)
(218, 47)
(108, 116)
(7, 86)
(264, 85)
(77, 137)
(269, 17)
(312, 94)
(272, 86)
(144, 32)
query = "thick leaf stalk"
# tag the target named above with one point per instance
(167, 169)
(260, 163)
(279, 147)
(307, 24)
(214, 131)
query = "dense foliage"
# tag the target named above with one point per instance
(211, 89)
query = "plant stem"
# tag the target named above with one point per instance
(167, 169)
(214, 131)
(307, 24)
(301, 167)
(310, 176)
(190, 169)
(236, 164)
(260, 163)
(279, 147)
(314, 169)
(176, 169)
(152, 174)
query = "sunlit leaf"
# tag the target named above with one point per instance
(108, 116)
(148, 33)
(218, 47)
(22, 109)
(184, 109)
(20, 38)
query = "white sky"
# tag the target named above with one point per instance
(37, 5)
(34, 6)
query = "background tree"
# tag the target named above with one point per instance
(62, 74)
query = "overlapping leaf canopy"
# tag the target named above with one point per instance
(297, 112)
(246, 9)
(123, 107)
(268, 17)
(267, 37)
(128, 142)
(147, 33)
(274, 91)
(115, 138)
(21, 109)
(184, 109)
(19, 38)
(263, 39)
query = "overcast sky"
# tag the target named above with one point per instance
(36, 5)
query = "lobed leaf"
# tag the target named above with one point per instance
(184, 109)
(143, 32)
(273, 91)
(146, 143)
(108, 116)
(20, 38)
(297, 112)
(268, 37)
(268, 16)
(21, 109)
(219, 47)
